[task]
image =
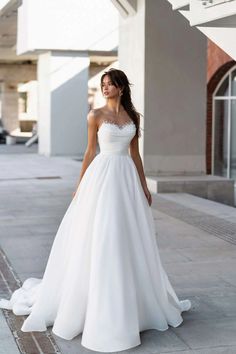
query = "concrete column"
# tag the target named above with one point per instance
(132, 58)
(63, 102)
(169, 78)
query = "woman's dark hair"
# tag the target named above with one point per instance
(119, 79)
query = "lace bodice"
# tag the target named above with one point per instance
(115, 138)
(120, 126)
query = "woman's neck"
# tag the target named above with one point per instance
(114, 105)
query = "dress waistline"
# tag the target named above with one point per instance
(119, 153)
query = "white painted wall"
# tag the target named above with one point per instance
(63, 107)
(224, 37)
(67, 25)
(178, 4)
(65, 31)
(132, 58)
(175, 93)
(217, 21)
(217, 10)
(167, 64)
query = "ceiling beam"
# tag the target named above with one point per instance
(126, 7)
(6, 5)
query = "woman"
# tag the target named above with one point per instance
(104, 277)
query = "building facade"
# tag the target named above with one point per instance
(186, 102)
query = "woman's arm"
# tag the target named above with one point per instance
(134, 153)
(90, 152)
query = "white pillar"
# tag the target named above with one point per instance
(169, 78)
(63, 102)
(131, 56)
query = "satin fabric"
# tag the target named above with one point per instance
(104, 277)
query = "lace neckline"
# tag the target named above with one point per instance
(120, 126)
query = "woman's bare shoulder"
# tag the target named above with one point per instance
(95, 116)
(96, 113)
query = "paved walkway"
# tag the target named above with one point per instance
(196, 237)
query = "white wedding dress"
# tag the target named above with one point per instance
(104, 277)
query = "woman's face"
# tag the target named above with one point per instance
(108, 89)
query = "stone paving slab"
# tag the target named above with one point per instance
(27, 343)
(208, 333)
(200, 265)
(218, 350)
(7, 342)
(219, 227)
(220, 210)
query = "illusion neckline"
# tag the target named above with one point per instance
(119, 126)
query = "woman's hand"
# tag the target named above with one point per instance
(148, 195)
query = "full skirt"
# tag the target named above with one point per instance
(104, 277)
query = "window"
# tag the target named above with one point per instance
(224, 127)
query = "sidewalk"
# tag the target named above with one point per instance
(196, 238)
